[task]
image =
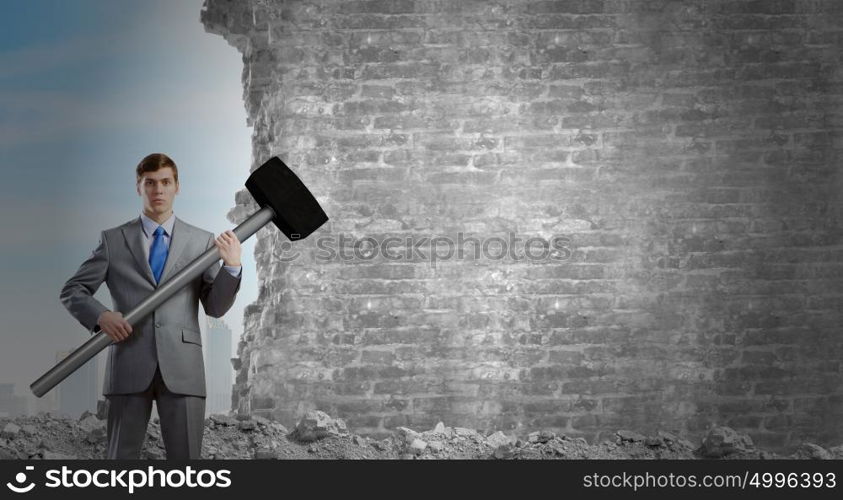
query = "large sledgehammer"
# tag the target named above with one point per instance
(283, 199)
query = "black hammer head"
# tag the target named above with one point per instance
(297, 213)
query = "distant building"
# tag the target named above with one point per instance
(78, 392)
(218, 369)
(48, 403)
(11, 405)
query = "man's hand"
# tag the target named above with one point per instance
(113, 324)
(229, 247)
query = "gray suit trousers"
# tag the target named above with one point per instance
(182, 419)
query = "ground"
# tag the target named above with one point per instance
(318, 436)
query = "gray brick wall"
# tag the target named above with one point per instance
(687, 153)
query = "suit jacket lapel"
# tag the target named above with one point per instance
(178, 242)
(134, 237)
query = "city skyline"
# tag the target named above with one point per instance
(219, 376)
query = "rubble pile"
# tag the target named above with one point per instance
(318, 436)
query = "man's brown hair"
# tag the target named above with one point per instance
(153, 162)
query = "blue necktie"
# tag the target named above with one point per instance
(158, 254)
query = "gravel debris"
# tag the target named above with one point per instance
(319, 436)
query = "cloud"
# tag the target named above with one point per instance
(160, 70)
(31, 117)
(28, 116)
(42, 58)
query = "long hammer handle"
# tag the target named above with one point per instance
(100, 341)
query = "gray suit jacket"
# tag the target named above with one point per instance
(169, 337)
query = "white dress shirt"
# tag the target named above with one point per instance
(149, 227)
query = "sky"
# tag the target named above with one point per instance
(87, 89)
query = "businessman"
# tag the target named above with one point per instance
(159, 358)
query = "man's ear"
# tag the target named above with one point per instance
(137, 188)
(177, 187)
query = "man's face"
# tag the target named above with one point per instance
(158, 190)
